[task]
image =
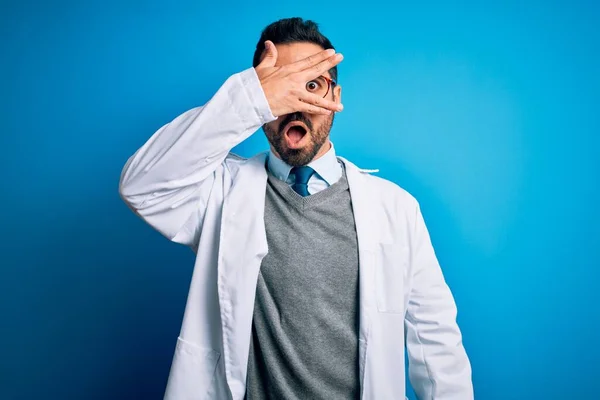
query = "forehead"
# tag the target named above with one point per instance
(291, 52)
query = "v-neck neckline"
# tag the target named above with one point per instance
(305, 203)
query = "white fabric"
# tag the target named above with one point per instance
(185, 182)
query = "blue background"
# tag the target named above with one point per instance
(488, 113)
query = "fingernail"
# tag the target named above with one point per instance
(330, 51)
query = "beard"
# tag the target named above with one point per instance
(303, 156)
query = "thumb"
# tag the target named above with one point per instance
(270, 55)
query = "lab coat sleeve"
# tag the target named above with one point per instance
(168, 181)
(439, 368)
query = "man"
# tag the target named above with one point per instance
(310, 273)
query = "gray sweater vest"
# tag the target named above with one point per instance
(304, 331)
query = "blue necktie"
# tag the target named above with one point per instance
(303, 174)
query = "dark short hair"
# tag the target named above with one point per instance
(293, 30)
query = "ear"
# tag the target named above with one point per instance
(268, 58)
(337, 94)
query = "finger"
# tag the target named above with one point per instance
(270, 57)
(322, 67)
(317, 101)
(310, 109)
(311, 60)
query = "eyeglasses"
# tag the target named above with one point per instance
(320, 85)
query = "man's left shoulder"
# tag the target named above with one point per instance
(387, 189)
(382, 189)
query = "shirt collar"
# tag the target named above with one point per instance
(327, 167)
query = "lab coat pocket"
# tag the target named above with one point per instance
(391, 264)
(192, 372)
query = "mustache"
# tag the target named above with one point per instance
(297, 116)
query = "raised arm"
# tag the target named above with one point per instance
(167, 182)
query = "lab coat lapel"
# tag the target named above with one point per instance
(243, 245)
(367, 241)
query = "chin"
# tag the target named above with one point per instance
(301, 156)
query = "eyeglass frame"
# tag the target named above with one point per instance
(330, 84)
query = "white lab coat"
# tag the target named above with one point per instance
(185, 182)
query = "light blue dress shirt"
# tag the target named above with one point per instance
(327, 168)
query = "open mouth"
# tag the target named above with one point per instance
(294, 134)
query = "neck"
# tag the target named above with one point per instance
(324, 149)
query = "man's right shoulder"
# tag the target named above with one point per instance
(233, 162)
(235, 158)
